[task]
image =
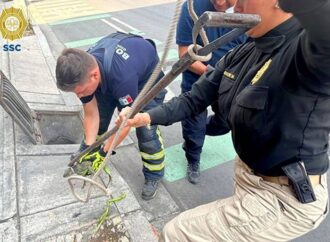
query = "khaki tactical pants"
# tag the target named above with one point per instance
(258, 211)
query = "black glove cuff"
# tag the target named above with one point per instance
(103, 153)
(83, 146)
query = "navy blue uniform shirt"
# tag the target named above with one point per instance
(184, 35)
(125, 73)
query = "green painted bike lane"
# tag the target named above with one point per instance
(216, 150)
(172, 55)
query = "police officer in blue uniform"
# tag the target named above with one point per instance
(274, 94)
(108, 76)
(194, 128)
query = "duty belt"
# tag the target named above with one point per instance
(284, 180)
(296, 176)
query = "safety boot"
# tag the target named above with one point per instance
(193, 173)
(149, 189)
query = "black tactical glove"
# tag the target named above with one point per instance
(83, 146)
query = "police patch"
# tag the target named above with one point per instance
(126, 100)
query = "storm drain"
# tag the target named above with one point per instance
(42, 127)
(13, 103)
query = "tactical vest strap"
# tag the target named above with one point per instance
(109, 44)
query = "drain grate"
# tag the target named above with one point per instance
(13, 103)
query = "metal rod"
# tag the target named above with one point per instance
(230, 20)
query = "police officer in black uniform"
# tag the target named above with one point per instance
(274, 93)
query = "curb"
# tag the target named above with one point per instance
(69, 98)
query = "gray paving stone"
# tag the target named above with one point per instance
(45, 50)
(42, 187)
(70, 99)
(41, 184)
(162, 200)
(128, 204)
(59, 222)
(139, 228)
(8, 231)
(54, 107)
(128, 162)
(75, 236)
(26, 74)
(43, 150)
(42, 98)
(115, 232)
(120, 186)
(159, 223)
(7, 168)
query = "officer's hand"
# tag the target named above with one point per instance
(140, 119)
(122, 115)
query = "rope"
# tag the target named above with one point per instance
(193, 48)
(194, 17)
(136, 104)
(203, 58)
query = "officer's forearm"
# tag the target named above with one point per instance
(91, 126)
(121, 137)
(198, 68)
(91, 121)
(203, 93)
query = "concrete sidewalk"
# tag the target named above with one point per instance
(36, 203)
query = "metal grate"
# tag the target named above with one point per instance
(17, 108)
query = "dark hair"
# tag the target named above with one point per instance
(72, 68)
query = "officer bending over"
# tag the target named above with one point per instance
(108, 76)
(274, 92)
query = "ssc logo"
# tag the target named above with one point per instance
(12, 47)
(12, 23)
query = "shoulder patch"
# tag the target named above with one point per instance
(126, 100)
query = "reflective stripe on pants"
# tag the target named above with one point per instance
(152, 152)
